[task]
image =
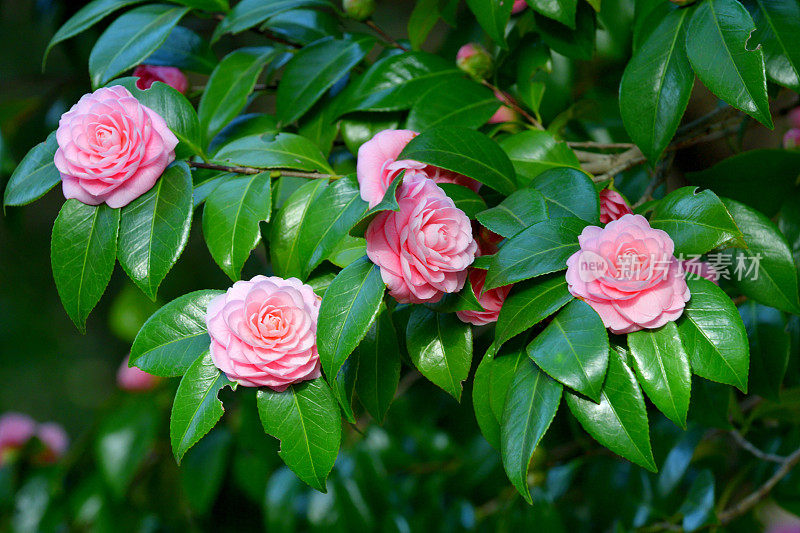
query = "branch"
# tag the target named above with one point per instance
(385, 36)
(276, 172)
(745, 444)
(599, 146)
(510, 102)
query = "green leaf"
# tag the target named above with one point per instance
(777, 31)
(285, 229)
(465, 151)
(243, 126)
(497, 373)
(575, 44)
(561, 10)
(716, 43)
(387, 203)
(344, 387)
(470, 202)
(698, 508)
(463, 300)
(231, 218)
(196, 408)
(154, 229)
(186, 50)
(540, 249)
(530, 407)
(174, 336)
(573, 349)
(522, 209)
(35, 175)
(569, 193)
(481, 383)
(456, 102)
(528, 304)
(733, 178)
(395, 82)
(229, 87)
(656, 86)
(83, 250)
(765, 271)
(769, 348)
(203, 469)
(206, 5)
(249, 13)
(493, 17)
(378, 367)
(619, 421)
(305, 418)
(337, 210)
(313, 70)
(662, 365)
(85, 18)
(131, 38)
(422, 20)
(696, 222)
(534, 151)
(714, 336)
(270, 150)
(440, 346)
(349, 307)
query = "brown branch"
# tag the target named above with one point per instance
(600, 146)
(276, 172)
(745, 444)
(388, 39)
(510, 102)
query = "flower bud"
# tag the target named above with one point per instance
(791, 141)
(358, 9)
(149, 74)
(503, 113)
(794, 117)
(473, 59)
(131, 379)
(518, 6)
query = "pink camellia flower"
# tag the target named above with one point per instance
(264, 332)
(132, 379)
(694, 268)
(377, 166)
(491, 300)
(111, 148)
(424, 249)
(519, 5)
(612, 206)
(794, 117)
(791, 140)
(628, 274)
(15, 430)
(149, 74)
(54, 439)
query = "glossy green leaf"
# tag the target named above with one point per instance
(575, 44)
(339, 207)
(313, 70)
(285, 228)
(662, 366)
(540, 249)
(305, 418)
(83, 251)
(154, 229)
(387, 203)
(229, 87)
(481, 383)
(561, 10)
(378, 367)
(35, 175)
(528, 304)
(344, 387)
(465, 151)
(716, 43)
(440, 346)
(765, 271)
(463, 300)
(456, 102)
(305, 25)
(531, 404)
(656, 86)
(174, 336)
(131, 38)
(777, 30)
(619, 421)
(186, 50)
(534, 151)
(573, 349)
(769, 348)
(714, 336)
(249, 13)
(520, 210)
(493, 17)
(348, 309)
(269, 150)
(196, 408)
(231, 219)
(696, 222)
(244, 125)
(569, 193)
(470, 202)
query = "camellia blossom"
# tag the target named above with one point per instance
(377, 166)
(491, 300)
(132, 379)
(612, 206)
(149, 74)
(695, 268)
(424, 249)
(519, 5)
(264, 332)
(54, 439)
(16, 429)
(791, 139)
(111, 148)
(628, 273)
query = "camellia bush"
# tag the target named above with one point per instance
(627, 332)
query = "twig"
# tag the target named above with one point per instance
(276, 172)
(385, 36)
(510, 102)
(600, 146)
(745, 444)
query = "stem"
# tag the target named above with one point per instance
(385, 36)
(510, 102)
(745, 444)
(276, 172)
(600, 146)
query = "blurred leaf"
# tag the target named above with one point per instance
(698, 508)
(709, 404)
(769, 348)
(203, 469)
(378, 367)
(174, 336)
(154, 229)
(569, 193)
(285, 229)
(575, 43)
(249, 13)
(465, 198)
(305, 418)
(716, 43)
(231, 218)
(456, 102)
(35, 175)
(533, 152)
(518, 211)
(422, 20)
(677, 461)
(131, 38)
(440, 346)
(283, 491)
(561, 10)
(206, 5)
(284, 150)
(83, 251)
(777, 26)
(184, 49)
(304, 26)
(493, 17)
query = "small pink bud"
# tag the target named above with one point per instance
(791, 140)
(794, 117)
(132, 379)
(519, 5)
(54, 439)
(503, 113)
(359, 9)
(15, 430)
(149, 74)
(473, 59)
